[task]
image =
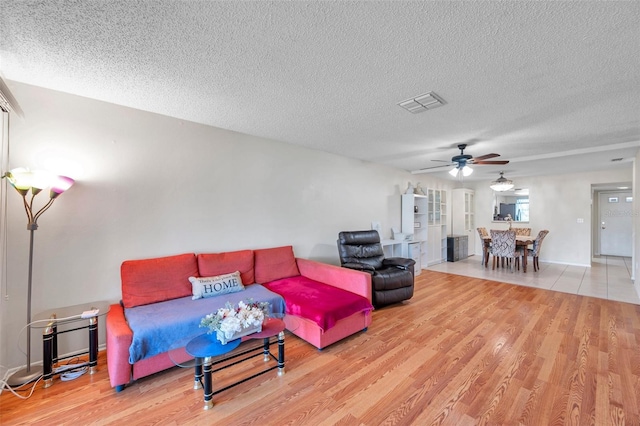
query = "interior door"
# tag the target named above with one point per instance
(615, 223)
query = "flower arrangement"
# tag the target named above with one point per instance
(232, 322)
(509, 219)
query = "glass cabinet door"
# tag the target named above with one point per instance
(468, 212)
(430, 198)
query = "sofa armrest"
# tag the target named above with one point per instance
(119, 338)
(400, 262)
(347, 279)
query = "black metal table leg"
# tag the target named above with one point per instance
(48, 339)
(93, 345)
(281, 353)
(197, 377)
(208, 385)
(266, 355)
(54, 326)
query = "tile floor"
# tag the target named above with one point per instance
(609, 277)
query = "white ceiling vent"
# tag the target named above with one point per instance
(422, 103)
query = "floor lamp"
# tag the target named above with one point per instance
(25, 181)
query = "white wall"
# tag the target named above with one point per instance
(149, 185)
(556, 203)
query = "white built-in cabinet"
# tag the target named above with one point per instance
(463, 214)
(394, 248)
(425, 217)
(414, 251)
(414, 221)
(437, 199)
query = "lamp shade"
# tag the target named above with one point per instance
(60, 184)
(464, 170)
(21, 178)
(501, 184)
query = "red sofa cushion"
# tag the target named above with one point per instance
(275, 263)
(213, 264)
(155, 280)
(321, 303)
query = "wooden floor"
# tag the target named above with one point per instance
(463, 351)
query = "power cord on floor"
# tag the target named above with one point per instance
(68, 372)
(77, 370)
(72, 375)
(19, 388)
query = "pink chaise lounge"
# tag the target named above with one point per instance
(324, 303)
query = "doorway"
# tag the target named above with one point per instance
(615, 223)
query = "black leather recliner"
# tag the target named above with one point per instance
(391, 278)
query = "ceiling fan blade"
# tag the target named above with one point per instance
(492, 162)
(442, 161)
(438, 167)
(485, 157)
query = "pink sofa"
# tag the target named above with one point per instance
(324, 303)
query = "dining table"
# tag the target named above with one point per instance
(522, 241)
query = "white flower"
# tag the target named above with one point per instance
(230, 320)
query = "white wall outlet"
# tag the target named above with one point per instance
(580, 220)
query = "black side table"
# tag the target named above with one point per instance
(63, 316)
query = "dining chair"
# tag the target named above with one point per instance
(535, 251)
(503, 246)
(483, 234)
(522, 231)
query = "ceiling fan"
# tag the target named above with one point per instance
(462, 161)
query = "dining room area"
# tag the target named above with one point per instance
(573, 223)
(608, 277)
(511, 247)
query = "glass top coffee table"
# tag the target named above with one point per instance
(66, 318)
(199, 353)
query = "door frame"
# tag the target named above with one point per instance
(596, 190)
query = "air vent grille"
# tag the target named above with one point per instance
(422, 103)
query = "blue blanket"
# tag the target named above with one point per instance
(160, 327)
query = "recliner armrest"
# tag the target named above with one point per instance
(400, 262)
(359, 267)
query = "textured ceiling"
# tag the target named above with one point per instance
(548, 85)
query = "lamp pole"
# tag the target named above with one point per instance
(24, 181)
(29, 373)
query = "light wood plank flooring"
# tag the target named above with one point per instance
(463, 351)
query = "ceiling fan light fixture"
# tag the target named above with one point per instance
(501, 184)
(464, 171)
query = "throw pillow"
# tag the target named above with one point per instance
(274, 264)
(214, 286)
(211, 264)
(158, 279)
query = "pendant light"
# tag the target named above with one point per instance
(501, 184)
